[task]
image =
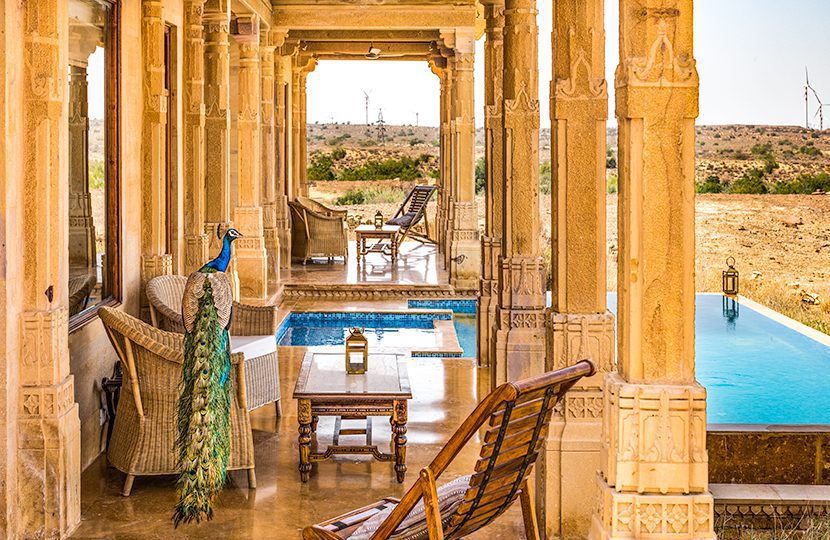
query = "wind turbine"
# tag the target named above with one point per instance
(366, 103)
(808, 88)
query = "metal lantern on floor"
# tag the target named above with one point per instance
(357, 352)
(378, 220)
(730, 278)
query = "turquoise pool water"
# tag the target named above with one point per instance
(756, 370)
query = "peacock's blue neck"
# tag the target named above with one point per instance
(220, 263)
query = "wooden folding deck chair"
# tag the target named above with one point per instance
(517, 417)
(412, 211)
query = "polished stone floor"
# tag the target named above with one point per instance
(444, 393)
(417, 264)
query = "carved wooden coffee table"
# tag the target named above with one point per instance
(387, 241)
(324, 389)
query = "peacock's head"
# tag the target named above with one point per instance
(232, 234)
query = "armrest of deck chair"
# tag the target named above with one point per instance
(344, 525)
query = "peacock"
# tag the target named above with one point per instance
(203, 442)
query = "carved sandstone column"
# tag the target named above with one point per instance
(451, 163)
(465, 270)
(217, 21)
(81, 226)
(579, 325)
(297, 165)
(193, 103)
(268, 145)
(154, 260)
(44, 492)
(494, 170)
(303, 140)
(251, 257)
(520, 333)
(444, 150)
(282, 76)
(654, 468)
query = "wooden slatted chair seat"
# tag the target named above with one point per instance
(516, 417)
(412, 211)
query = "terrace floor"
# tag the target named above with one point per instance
(444, 393)
(417, 264)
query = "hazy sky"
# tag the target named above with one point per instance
(750, 54)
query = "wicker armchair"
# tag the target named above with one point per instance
(321, 208)
(262, 373)
(144, 436)
(80, 289)
(316, 235)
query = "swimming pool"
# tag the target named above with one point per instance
(757, 366)
(426, 332)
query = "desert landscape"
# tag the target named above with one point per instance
(761, 199)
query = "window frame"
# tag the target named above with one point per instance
(112, 147)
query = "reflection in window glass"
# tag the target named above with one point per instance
(90, 272)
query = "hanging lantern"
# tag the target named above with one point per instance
(378, 220)
(357, 352)
(730, 278)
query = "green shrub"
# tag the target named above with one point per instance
(752, 183)
(544, 177)
(415, 141)
(710, 185)
(370, 196)
(337, 141)
(320, 167)
(804, 184)
(481, 175)
(404, 168)
(96, 174)
(810, 150)
(338, 153)
(612, 184)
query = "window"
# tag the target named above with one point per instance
(93, 159)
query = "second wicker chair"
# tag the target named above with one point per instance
(251, 326)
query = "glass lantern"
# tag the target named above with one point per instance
(357, 352)
(730, 278)
(378, 220)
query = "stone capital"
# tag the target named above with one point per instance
(246, 29)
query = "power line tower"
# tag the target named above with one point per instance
(416, 119)
(381, 126)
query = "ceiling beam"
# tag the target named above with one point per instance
(376, 36)
(374, 17)
(361, 48)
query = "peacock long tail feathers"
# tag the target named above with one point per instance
(203, 442)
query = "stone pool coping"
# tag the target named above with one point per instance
(446, 338)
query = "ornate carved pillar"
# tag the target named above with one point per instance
(251, 257)
(451, 183)
(579, 325)
(654, 467)
(465, 270)
(445, 155)
(81, 226)
(217, 20)
(282, 76)
(268, 145)
(494, 170)
(193, 103)
(520, 331)
(297, 165)
(154, 260)
(43, 492)
(303, 141)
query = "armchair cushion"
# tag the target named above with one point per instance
(254, 346)
(414, 526)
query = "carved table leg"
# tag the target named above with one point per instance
(314, 419)
(399, 438)
(305, 420)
